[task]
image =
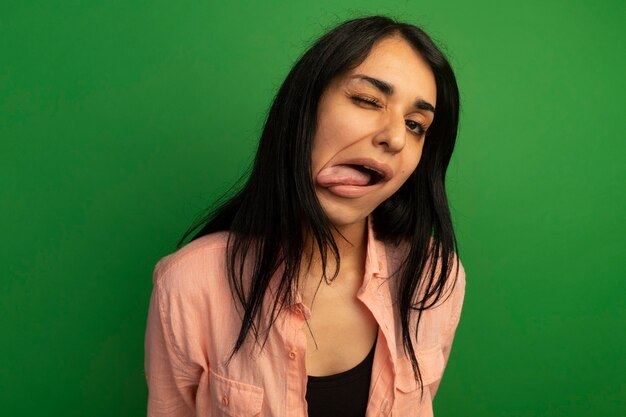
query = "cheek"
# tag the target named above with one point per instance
(411, 160)
(335, 132)
(343, 124)
(402, 178)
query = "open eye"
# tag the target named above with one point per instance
(415, 127)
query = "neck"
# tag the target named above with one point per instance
(351, 242)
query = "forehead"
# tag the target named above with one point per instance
(396, 62)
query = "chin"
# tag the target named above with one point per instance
(342, 222)
(342, 217)
(344, 213)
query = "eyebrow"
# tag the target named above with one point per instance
(387, 89)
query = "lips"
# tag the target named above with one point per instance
(355, 177)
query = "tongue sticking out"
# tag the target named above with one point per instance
(343, 175)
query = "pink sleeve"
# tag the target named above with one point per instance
(456, 300)
(172, 383)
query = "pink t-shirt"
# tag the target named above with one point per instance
(193, 323)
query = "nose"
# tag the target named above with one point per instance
(392, 135)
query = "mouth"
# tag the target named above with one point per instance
(378, 171)
(375, 175)
(355, 172)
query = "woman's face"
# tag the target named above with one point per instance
(371, 130)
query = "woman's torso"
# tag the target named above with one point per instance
(193, 324)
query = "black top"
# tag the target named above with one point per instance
(341, 395)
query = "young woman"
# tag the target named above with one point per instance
(329, 285)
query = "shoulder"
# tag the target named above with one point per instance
(192, 266)
(454, 280)
(396, 256)
(187, 299)
(455, 287)
(459, 271)
(457, 276)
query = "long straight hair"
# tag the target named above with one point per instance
(277, 209)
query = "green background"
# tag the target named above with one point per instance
(121, 121)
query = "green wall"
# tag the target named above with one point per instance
(120, 121)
